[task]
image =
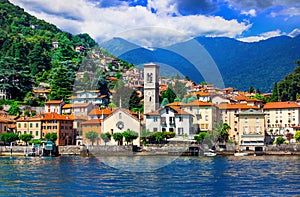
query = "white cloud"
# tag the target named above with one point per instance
(79, 16)
(292, 11)
(262, 36)
(251, 12)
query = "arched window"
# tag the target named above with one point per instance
(150, 98)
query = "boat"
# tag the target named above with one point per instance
(209, 154)
(240, 154)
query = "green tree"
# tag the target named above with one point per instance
(14, 109)
(200, 137)
(106, 137)
(274, 97)
(251, 89)
(51, 137)
(144, 135)
(92, 136)
(26, 138)
(118, 137)
(9, 137)
(130, 135)
(164, 102)
(169, 94)
(179, 89)
(297, 136)
(279, 140)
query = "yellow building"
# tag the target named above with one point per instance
(251, 130)
(228, 114)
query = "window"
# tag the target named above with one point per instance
(257, 129)
(155, 119)
(155, 129)
(112, 131)
(25, 125)
(246, 119)
(36, 125)
(180, 118)
(246, 130)
(206, 117)
(19, 125)
(24, 132)
(167, 110)
(31, 132)
(257, 119)
(30, 125)
(36, 133)
(180, 131)
(150, 98)
(54, 127)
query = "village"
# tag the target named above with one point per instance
(251, 124)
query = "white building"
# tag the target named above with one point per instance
(170, 119)
(282, 117)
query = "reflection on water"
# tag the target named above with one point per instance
(189, 176)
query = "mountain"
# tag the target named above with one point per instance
(34, 51)
(222, 61)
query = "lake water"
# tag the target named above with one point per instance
(171, 176)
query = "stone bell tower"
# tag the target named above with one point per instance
(151, 87)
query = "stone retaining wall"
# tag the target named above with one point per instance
(283, 148)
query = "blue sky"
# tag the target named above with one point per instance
(246, 20)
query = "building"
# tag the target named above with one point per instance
(170, 119)
(228, 114)
(205, 115)
(99, 113)
(151, 87)
(59, 124)
(281, 118)
(121, 120)
(89, 96)
(94, 125)
(54, 106)
(251, 130)
(78, 109)
(30, 125)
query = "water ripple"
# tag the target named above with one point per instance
(185, 176)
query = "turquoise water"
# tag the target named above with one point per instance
(182, 176)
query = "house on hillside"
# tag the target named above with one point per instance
(54, 106)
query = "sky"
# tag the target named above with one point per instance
(150, 20)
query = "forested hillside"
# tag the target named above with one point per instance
(29, 53)
(288, 89)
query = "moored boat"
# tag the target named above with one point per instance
(240, 154)
(210, 154)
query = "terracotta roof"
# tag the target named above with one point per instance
(180, 111)
(240, 98)
(81, 91)
(174, 104)
(54, 102)
(281, 105)
(202, 93)
(228, 89)
(55, 116)
(75, 105)
(72, 97)
(42, 91)
(236, 106)
(254, 100)
(198, 103)
(92, 122)
(96, 112)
